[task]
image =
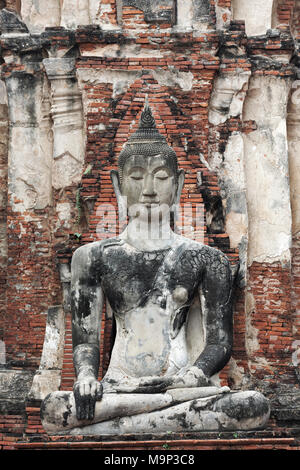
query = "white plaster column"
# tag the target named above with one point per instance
(257, 15)
(3, 171)
(193, 15)
(293, 128)
(228, 96)
(3, 214)
(30, 142)
(38, 14)
(223, 16)
(226, 102)
(74, 13)
(184, 15)
(47, 379)
(267, 171)
(67, 115)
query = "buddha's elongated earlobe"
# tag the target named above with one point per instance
(121, 200)
(176, 203)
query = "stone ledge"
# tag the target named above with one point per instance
(180, 444)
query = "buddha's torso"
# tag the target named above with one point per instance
(150, 294)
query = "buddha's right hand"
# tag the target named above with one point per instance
(87, 391)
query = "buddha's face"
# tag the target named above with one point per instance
(148, 181)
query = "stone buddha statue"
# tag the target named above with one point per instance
(172, 301)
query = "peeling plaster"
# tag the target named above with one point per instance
(120, 51)
(251, 333)
(256, 23)
(267, 171)
(120, 79)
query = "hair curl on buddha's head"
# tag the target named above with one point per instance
(147, 141)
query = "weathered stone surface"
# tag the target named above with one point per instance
(14, 387)
(226, 102)
(48, 377)
(150, 282)
(115, 70)
(266, 167)
(293, 131)
(11, 23)
(201, 9)
(156, 10)
(257, 23)
(74, 13)
(29, 176)
(134, 413)
(228, 96)
(66, 111)
(40, 14)
(184, 15)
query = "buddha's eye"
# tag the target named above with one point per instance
(162, 175)
(136, 176)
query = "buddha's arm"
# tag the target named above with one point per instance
(216, 292)
(86, 306)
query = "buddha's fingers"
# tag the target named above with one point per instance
(155, 381)
(91, 407)
(78, 400)
(99, 391)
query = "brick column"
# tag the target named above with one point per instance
(38, 14)
(3, 208)
(66, 112)
(293, 126)
(268, 309)
(29, 198)
(67, 171)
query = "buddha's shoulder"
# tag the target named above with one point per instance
(206, 256)
(199, 248)
(94, 250)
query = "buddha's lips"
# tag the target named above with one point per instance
(150, 203)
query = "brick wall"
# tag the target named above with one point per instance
(285, 11)
(296, 21)
(175, 118)
(295, 298)
(3, 213)
(12, 428)
(264, 335)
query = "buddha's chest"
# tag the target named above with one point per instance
(130, 280)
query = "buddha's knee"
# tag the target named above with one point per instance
(58, 410)
(249, 409)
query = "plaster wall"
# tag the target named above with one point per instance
(267, 171)
(256, 14)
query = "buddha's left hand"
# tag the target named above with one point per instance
(190, 376)
(187, 377)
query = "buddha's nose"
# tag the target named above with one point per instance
(149, 189)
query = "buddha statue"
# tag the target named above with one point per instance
(171, 298)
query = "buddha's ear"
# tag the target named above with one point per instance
(180, 182)
(122, 203)
(114, 175)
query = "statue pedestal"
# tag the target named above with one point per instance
(261, 440)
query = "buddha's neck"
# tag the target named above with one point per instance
(148, 236)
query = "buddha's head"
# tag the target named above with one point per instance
(148, 171)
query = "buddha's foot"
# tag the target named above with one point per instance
(202, 409)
